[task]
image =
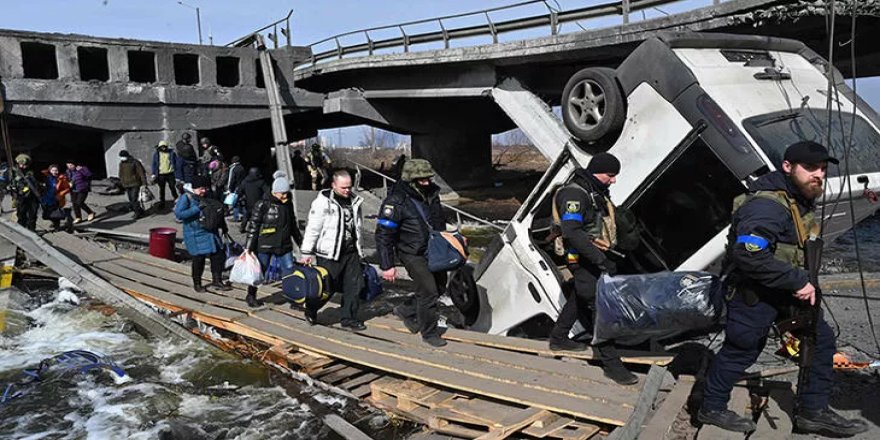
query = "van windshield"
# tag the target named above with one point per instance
(775, 131)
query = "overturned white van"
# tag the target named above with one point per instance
(693, 118)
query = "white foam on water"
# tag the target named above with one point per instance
(330, 400)
(177, 359)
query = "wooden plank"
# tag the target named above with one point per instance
(183, 280)
(739, 403)
(181, 290)
(343, 428)
(421, 415)
(633, 426)
(340, 375)
(570, 371)
(385, 356)
(577, 431)
(605, 395)
(661, 422)
(775, 418)
(359, 381)
(529, 345)
(168, 298)
(512, 424)
(547, 426)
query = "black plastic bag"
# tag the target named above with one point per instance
(630, 309)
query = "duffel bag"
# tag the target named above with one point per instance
(306, 282)
(372, 283)
(446, 251)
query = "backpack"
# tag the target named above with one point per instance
(446, 250)
(213, 213)
(186, 151)
(306, 282)
(372, 283)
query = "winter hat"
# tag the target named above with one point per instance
(604, 163)
(124, 154)
(200, 182)
(281, 185)
(278, 174)
(163, 144)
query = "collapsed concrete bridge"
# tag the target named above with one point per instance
(71, 95)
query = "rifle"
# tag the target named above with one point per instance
(806, 316)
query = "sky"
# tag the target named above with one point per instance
(312, 20)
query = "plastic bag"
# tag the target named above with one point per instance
(231, 199)
(233, 250)
(145, 195)
(630, 309)
(246, 270)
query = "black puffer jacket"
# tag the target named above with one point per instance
(271, 226)
(253, 188)
(400, 226)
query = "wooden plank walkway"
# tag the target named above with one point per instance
(527, 388)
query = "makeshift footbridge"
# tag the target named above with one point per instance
(478, 386)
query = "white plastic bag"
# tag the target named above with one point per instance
(246, 270)
(145, 195)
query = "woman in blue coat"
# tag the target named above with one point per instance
(201, 243)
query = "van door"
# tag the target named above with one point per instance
(682, 207)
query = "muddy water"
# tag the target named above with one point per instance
(185, 391)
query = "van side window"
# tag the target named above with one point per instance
(686, 205)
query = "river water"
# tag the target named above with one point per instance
(180, 391)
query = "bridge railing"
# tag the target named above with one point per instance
(283, 24)
(552, 21)
(459, 214)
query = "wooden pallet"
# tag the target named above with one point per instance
(481, 368)
(472, 417)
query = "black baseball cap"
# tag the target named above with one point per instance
(808, 152)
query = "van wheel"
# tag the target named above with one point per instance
(593, 108)
(462, 289)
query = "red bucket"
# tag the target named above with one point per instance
(162, 242)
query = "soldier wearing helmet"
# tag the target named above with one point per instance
(319, 166)
(402, 232)
(27, 192)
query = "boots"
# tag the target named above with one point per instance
(197, 286)
(726, 420)
(566, 345)
(251, 299)
(826, 421)
(614, 370)
(219, 284)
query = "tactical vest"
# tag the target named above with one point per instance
(806, 225)
(603, 228)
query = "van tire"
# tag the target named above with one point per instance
(593, 108)
(462, 289)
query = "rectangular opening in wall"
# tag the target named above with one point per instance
(186, 69)
(141, 66)
(38, 60)
(227, 72)
(258, 68)
(93, 63)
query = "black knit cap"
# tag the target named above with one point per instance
(604, 163)
(124, 153)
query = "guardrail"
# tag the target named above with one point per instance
(250, 38)
(385, 179)
(552, 20)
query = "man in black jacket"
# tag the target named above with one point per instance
(251, 190)
(765, 262)
(270, 230)
(584, 207)
(402, 231)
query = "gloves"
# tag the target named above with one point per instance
(608, 266)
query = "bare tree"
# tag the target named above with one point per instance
(374, 138)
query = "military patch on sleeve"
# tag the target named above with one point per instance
(753, 243)
(572, 206)
(388, 210)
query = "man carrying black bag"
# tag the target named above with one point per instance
(586, 219)
(333, 233)
(402, 231)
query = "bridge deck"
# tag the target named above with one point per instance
(516, 380)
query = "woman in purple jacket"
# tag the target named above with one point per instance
(81, 183)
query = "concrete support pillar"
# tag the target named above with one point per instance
(68, 64)
(463, 159)
(117, 59)
(139, 144)
(207, 71)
